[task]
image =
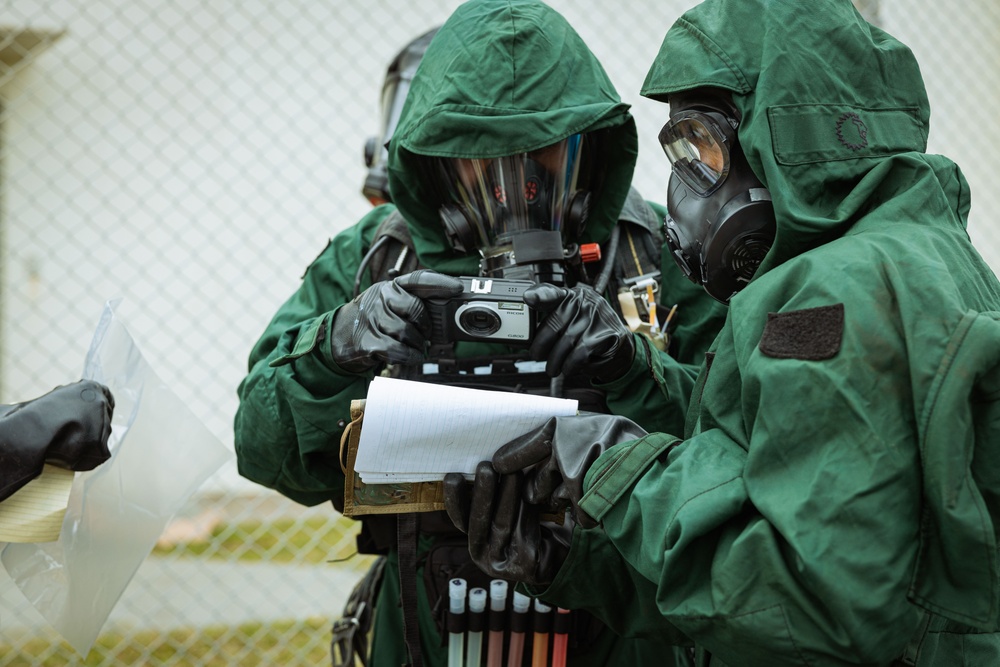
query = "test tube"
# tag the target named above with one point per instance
(518, 626)
(456, 621)
(540, 641)
(477, 621)
(498, 607)
(560, 637)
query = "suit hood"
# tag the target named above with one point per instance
(503, 77)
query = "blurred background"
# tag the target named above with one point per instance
(192, 157)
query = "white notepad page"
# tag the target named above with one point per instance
(419, 432)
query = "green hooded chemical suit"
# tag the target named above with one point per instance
(835, 500)
(498, 78)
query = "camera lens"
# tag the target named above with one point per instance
(479, 321)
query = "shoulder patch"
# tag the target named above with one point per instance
(811, 334)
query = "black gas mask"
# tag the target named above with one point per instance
(721, 220)
(523, 213)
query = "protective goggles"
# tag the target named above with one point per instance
(697, 144)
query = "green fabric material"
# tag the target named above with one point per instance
(623, 600)
(288, 425)
(294, 402)
(654, 392)
(819, 508)
(617, 471)
(544, 85)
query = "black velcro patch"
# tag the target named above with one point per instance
(812, 334)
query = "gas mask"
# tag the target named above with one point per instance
(721, 220)
(523, 213)
(394, 90)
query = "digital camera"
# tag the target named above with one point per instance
(488, 309)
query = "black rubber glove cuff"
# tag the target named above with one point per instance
(68, 427)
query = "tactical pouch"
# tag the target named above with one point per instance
(447, 559)
(361, 499)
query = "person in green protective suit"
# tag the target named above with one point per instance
(512, 153)
(833, 498)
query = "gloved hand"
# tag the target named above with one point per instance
(388, 322)
(555, 458)
(579, 332)
(507, 537)
(68, 427)
(541, 472)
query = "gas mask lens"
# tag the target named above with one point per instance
(505, 196)
(697, 146)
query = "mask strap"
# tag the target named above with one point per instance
(458, 228)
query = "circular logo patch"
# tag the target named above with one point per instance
(853, 134)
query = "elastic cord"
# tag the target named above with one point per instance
(381, 241)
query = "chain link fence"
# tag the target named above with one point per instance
(192, 157)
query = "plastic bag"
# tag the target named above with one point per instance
(160, 454)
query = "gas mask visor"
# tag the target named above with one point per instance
(394, 91)
(697, 145)
(517, 210)
(376, 186)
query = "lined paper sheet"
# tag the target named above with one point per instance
(35, 512)
(419, 432)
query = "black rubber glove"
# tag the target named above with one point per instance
(579, 332)
(507, 537)
(555, 458)
(68, 427)
(540, 473)
(388, 322)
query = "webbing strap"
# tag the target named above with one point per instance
(406, 537)
(350, 632)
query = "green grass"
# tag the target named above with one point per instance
(288, 644)
(315, 540)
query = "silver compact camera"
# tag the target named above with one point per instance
(488, 309)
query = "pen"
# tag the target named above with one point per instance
(560, 637)
(498, 605)
(540, 642)
(518, 626)
(456, 621)
(477, 618)
(670, 316)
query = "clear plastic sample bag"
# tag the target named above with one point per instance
(160, 454)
